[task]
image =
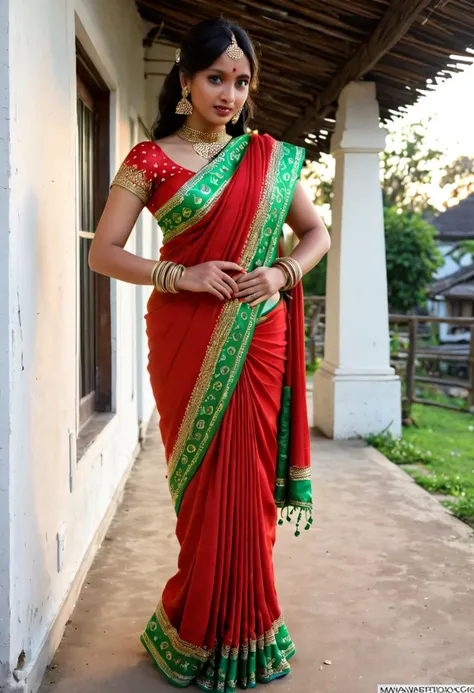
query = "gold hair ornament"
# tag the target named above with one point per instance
(233, 50)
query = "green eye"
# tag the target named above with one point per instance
(214, 77)
(242, 83)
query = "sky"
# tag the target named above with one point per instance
(451, 108)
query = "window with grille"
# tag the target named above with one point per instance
(92, 164)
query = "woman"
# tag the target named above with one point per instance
(226, 355)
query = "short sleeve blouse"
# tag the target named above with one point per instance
(151, 175)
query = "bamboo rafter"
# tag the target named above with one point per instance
(309, 50)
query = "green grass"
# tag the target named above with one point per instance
(435, 395)
(449, 436)
(442, 444)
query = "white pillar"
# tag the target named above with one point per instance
(356, 392)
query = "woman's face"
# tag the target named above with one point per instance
(218, 92)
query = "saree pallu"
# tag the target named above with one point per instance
(230, 390)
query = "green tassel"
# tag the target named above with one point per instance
(297, 533)
(287, 512)
(280, 521)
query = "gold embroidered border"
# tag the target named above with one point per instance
(290, 185)
(161, 662)
(134, 180)
(225, 392)
(251, 645)
(186, 649)
(300, 473)
(179, 196)
(242, 652)
(263, 208)
(200, 214)
(214, 348)
(260, 674)
(292, 503)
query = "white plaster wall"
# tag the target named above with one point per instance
(4, 346)
(160, 58)
(41, 334)
(147, 239)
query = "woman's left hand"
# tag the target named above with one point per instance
(259, 285)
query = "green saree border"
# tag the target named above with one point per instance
(229, 344)
(183, 663)
(196, 197)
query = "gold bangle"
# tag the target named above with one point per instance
(293, 270)
(153, 271)
(158, 277)
(171, 279)
(165, 275)
(286, 272)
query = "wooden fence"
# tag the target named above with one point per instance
(421, 351)
(407, 361)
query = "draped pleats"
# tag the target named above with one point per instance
(223, 598)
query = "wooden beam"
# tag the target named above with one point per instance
(394, 24)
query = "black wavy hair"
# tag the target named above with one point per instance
(200, 47)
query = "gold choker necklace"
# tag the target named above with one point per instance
(206, 144)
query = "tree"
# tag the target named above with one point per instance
(412, 258)
(458, 178)
(319, 177)
(410, 171)
(409, 168)
(314, 282)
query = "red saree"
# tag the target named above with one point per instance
(229, 385)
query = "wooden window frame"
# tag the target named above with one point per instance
(92, 89)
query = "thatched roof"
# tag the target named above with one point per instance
(465, 290)
(310, 50)
(459, 284)
(456, 223)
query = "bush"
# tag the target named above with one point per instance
(398, 450)
(412, 258)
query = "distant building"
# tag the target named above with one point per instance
(453, 297)
(452, 294)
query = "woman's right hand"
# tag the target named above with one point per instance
(211, 277)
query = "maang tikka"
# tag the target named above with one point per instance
(233, 50)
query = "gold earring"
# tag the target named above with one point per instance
(184, 107)
(237, 116)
